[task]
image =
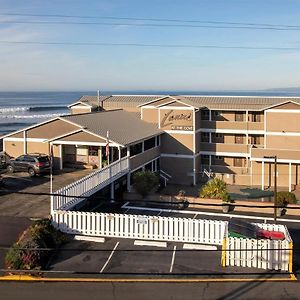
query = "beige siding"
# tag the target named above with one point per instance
(288, 122)
(142, 158)
(180, 169)
(177, 143)
(33, 147)
(283, 142)
(51, 129)
(13, 148)
(175, 119)
(80, 110)
(289, 105)
(232, 125)
(83, 137)
(150, 115)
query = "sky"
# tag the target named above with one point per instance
(33, 65)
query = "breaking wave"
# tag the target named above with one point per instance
(5, 110)
(36, 116)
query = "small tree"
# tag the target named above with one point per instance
(144, 182)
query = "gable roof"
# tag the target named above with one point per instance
(124, 127)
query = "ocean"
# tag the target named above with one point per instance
(22, 109)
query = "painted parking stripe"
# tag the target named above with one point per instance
(109, 258)
(173, 259)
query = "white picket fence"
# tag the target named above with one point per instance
(262, 253)
(140, 227)
(89, 184)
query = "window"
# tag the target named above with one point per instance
(239, 139)
(93, 151)
(205, 159)
(205, 114)
(204, 137)
(256, 117)
(238, 162)
(136, 149)
(239, 116)
(148, 144)
(123, 152)
(219, 158)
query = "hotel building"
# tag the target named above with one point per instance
(185, 138)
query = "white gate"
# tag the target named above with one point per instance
(259, 253)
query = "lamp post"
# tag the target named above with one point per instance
(275, 184)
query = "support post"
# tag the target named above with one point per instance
(290, 177)
(275, 188)
(262, 175)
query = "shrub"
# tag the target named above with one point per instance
(215, 189)
(285, 198)
(145, 182)
(27, 253)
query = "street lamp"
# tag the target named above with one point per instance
(275, 184)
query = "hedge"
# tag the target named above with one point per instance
(27, 253)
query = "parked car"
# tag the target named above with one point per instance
(34, 164)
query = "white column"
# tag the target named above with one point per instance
(246, 115)
(119, 149)
(209, 137)
(251, 172)
(194, 171)
(128, 151)
(290, 177)
(209, 114)
(100, 157)
(60, 158)
(262, 175)
(25, 142)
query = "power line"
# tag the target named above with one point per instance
(152, 25)
(148, 45)
(152, 202)
(148, 19)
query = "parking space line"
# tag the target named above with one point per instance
(195, 216)
(109, 258)
(159, 213)
(173, 259)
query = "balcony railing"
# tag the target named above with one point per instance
(67, 196)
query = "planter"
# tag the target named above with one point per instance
(226, 208)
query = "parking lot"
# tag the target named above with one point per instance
(22, 205)
(121, 258)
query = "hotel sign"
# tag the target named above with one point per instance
(176, 120)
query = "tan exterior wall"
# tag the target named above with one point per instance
(181, 169)
(212, 147)
(33, 147)
(79, 110)
(175, 119)
(281, 154)
(279, 122)
(17, 135)
(142, 158)
(232, 125)
(150, 115)
(289, 105)
(51, 129)
(282, 174)
(177, 143)
(283, 142)
(225, 116)
(83, 137)
(13, 148)
(56, 156)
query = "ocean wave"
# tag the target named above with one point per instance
(36, 116)
(5, 110)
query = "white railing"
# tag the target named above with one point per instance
(260, 253)
(88, 185)
(140, 227)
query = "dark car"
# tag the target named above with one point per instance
(34, 164)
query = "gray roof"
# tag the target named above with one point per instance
(198, 101)
(124, 127)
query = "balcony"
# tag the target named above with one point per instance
(259, 153)
(220, 147)
(232, 125)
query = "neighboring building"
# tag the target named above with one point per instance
(228, 136)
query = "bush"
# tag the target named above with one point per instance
(145, 182)
(285, 198)
(27, 253)
(215, 189)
